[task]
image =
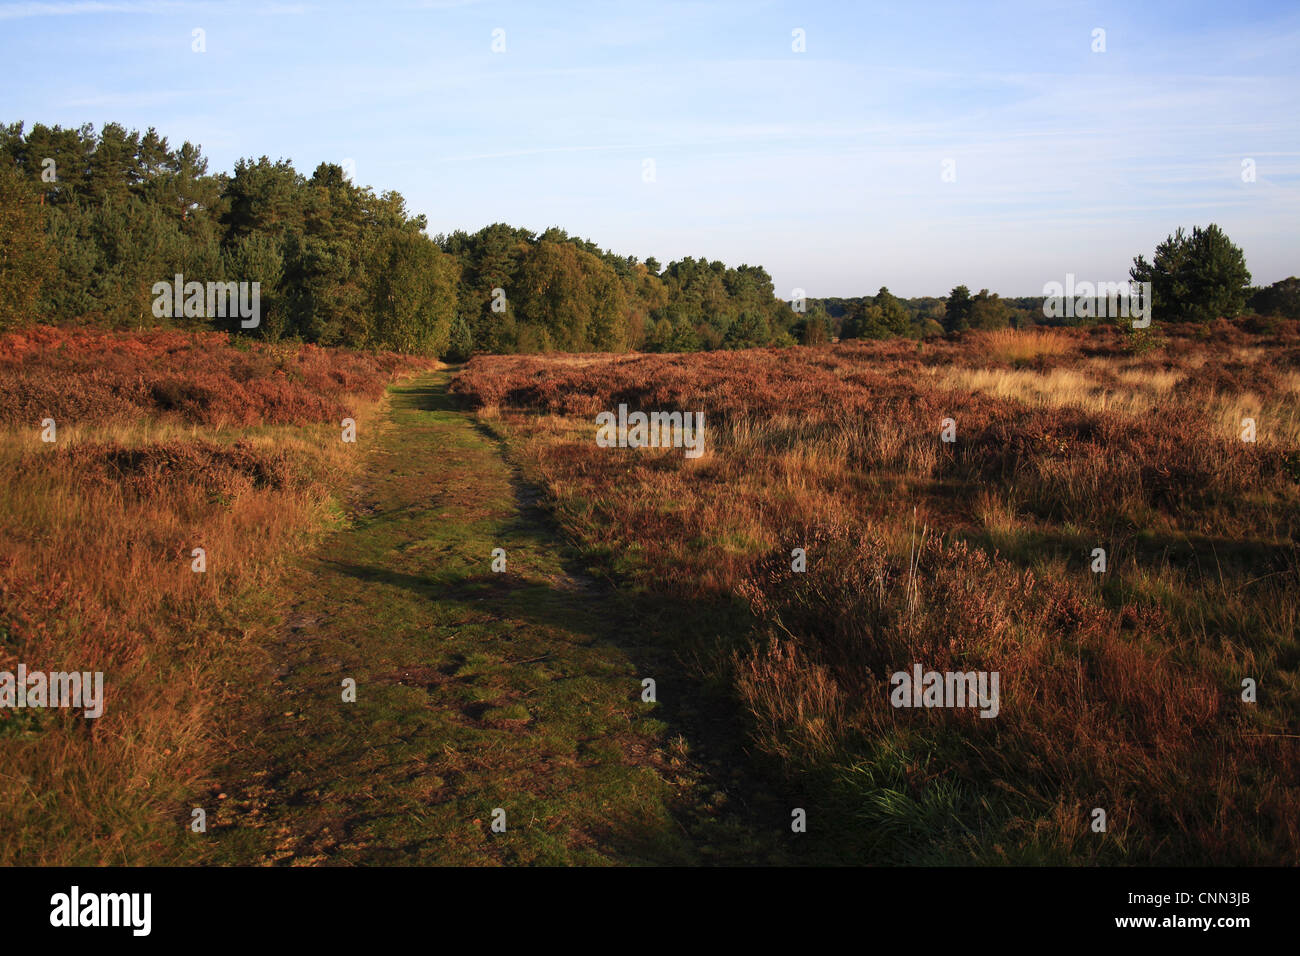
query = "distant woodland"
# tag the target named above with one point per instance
(90, 221)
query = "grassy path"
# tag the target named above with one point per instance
(475, 690)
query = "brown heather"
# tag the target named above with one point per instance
(1119, 690)
(167, 441)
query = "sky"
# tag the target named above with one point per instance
(908, 144)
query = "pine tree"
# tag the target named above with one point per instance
(24, 259)
(1195, 278)
(957, 310)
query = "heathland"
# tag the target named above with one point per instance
(1158, 685)
(123, 454)
(349, 601)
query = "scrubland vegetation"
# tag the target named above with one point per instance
(1122, 686)
(1121, 690)
(166, 442)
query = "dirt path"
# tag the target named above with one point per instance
(475, 690)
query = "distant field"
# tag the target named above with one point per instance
(1121, 690)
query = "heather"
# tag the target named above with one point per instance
(165, 442)
(1121, 689)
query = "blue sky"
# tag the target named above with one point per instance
(823, 166)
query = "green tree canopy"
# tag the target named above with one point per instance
(1195, 278)
(24, 257)
(1281, 298)
(987, 311)
(957, 310)
(336, 263)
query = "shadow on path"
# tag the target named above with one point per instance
(479, 695)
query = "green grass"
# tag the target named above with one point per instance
(475, 690)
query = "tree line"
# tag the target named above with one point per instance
(885, 316)
(92, 220)
(520, 291)
(1195, 277)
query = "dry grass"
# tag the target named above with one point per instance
(166, 442)
(1120, 690)
(1014, 346)
(1109, 386)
